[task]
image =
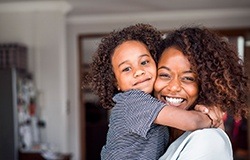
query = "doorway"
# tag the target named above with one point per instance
(94, 119)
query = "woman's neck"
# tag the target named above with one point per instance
(174, 134)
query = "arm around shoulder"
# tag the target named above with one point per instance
(182, 119)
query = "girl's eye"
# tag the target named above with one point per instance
(144, 62)
(126, 69)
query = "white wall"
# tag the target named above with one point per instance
(41, 27)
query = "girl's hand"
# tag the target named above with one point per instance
(214, 114)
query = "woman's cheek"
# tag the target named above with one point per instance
(158, 85)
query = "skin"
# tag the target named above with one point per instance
(136, 71)
(176, 84)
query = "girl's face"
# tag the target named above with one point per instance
(176, 83)
(134, 67)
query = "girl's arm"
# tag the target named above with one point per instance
(214, 113)
(185, 120)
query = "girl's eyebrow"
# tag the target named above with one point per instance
(122, 63)
(143, 55)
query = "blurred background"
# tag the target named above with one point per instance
(46, 48)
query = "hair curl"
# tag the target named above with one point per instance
(102, 79)
(221, 77)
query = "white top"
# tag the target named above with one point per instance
(203, 144)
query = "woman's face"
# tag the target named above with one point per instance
(176, 83)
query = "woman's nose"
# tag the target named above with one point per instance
(139, 72)
(174, 85)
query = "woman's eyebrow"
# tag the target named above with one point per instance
(164, 67)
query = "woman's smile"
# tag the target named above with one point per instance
(173, 100)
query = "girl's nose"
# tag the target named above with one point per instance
(139, 72)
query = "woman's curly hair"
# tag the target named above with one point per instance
(221, 75)
(102, 79)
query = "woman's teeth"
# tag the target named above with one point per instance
(174, 100)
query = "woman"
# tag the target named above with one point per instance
(196, 66)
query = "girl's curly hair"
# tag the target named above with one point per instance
(102, 79)
(221, 75)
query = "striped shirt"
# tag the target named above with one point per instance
(132, 134)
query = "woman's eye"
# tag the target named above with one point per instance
(126, 69)
(189, 79)
(144, 62)
(164, 75)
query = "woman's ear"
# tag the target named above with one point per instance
(118, 88)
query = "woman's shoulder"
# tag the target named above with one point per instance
(207, 131)
(202, 144)
(214, 138)
(210, 134)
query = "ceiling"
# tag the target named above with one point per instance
(101, 7)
